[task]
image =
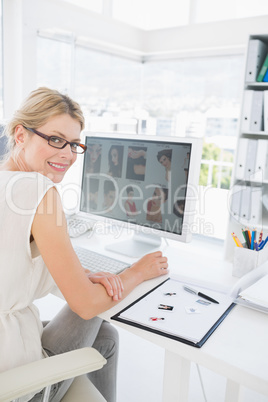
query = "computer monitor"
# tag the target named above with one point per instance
(146, 184)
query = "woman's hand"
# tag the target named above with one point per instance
(112, 283)
(151, 266)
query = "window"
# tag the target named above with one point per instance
(152, 14)
(54, 64)
(92, 5)
(209, 10)
(158, 14)
(1, 61)
(108, 89)
(187, 98)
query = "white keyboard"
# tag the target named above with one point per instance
(96, 262)
(78, 226)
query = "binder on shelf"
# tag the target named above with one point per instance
(241, 158)
(256, 116)
(245, 206)
(257, 50)
(251, 159)
(256, 206)
(246, 110)
(168, 310)
(236, 201)
(263, 70)
(261, 160)
(265, 110)
(265, 78)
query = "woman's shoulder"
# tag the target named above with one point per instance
(25, 188)
(26, 180)
(20, 175)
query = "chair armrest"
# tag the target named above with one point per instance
(34, 376)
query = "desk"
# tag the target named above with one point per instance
(238, 348)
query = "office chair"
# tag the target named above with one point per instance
(3, 140)
(37, 375)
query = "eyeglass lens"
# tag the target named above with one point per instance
(58, 142)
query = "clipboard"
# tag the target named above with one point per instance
(211, 315)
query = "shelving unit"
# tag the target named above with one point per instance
(250, 187)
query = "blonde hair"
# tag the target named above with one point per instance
(42, 104)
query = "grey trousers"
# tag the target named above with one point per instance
(67, 331)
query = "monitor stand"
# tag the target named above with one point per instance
(136, 247)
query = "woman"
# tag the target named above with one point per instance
(37, 255)
(115, 157)
(93, 158)
(109, 193)
(164, 157)
(154, 205)
(130, 205)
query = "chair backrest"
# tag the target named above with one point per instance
(3, 142)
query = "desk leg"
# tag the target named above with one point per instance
(176, 378)
(232, 393)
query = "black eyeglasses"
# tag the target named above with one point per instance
(58, 142)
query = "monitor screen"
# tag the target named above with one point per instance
(147, 183)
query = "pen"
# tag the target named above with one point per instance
(265, 241)
(195, 292)
(244, 235)
(236, 240)
(261, 244)
(247, 237)
(253, 235)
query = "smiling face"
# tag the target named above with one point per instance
(165, 161)
(94, 152)
(37, 156)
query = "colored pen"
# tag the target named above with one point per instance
(247, 238)
(195, 292)
(261, 244)
(265, 241)
(244, 235)
(252, 239)
(236, 240)
(260, 237)
(256, 245)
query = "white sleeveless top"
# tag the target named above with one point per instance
(23, 274)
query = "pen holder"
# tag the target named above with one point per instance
(245, 260)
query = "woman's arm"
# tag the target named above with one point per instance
(87, 299)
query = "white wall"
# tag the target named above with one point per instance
(19, 51)
(213, 37)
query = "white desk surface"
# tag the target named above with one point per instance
(238, 349)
